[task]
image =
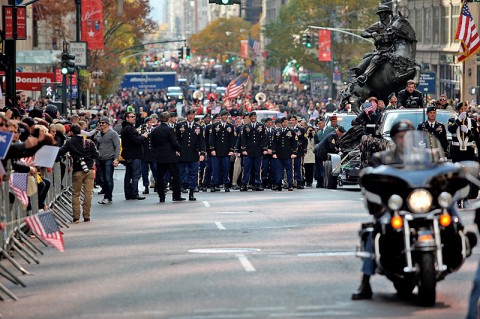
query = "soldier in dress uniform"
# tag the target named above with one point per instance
(206, 165)
(464, 132)
(252, 148)
(284, 150)
(222, 146)
(268, 162)
(302, 142)
(148, 161)
(435, 128)
(192, 149)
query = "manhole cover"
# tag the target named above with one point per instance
(223, 250)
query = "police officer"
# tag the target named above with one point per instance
(252, 148)
(301, 150)
(284, 149)
(222, 146)
(268, 162)
(192, 149)
(433, 127)
(410, 97)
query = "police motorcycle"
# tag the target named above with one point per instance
(417, 234)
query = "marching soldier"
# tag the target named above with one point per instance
(284, 149)
(252, 149)
(206, 166)
(435, 128)
(462, 148)
(301, 150)
(148, 161)
(192, 149)
(222, 146)
(268, 162)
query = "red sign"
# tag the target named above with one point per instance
(21, 23)
(324, 46)
(29, 81)
(92, 24)
(8, 22)
(59, 77)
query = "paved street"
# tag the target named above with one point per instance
(227, 255)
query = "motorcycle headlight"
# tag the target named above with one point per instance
(419, 201)
(395, 202)
(444, 200)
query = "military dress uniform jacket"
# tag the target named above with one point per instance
(438, 130)
(285, 143)
(192, 141)
(252, 139)
(164, 144)
(268, 138)
(206, 132)
(328, 145)
(301, 140)
(460, 139)
(148, 153)
(222, 138)
(238, 139)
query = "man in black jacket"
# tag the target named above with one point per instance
(132, 152)
(167, 152)
(409, 97)
(84, 154)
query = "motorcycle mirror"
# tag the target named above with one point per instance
(471, 167)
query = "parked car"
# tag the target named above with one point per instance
(174, 93)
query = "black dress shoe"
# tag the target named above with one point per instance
(364, 292)
(146, 191)
(290, 189)
(138, 198)
(227, 190)
(213, 189)
(162, 199)
(178, 199)
(300, 187)
(258, 189)
(244, 189)
(279, 188)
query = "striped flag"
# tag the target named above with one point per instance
(236, 87)
(467, 34)
(44, 225)
(255, 45)
(18, 185)
(372, 108)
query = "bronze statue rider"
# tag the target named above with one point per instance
(383, 37)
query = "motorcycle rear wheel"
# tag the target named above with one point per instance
(426, 280)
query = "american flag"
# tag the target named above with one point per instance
(372, 108)
(255, 46)
(467, 34)
(44, 225)
(18, 185)
(236, 87)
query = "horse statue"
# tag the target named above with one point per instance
(393, 68)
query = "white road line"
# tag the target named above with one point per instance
(220, 226)
(246, 263)
(206, 203)
(328, 254)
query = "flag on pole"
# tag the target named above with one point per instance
(44, 225)
(255, 46)
(18, 185)
(372, 108)
(236, 87)
(467, 34)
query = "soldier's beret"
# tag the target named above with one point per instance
(252, 114)
(333, 118)
(283, 119)
(341, 129)
(431, 108)
(267, 119)
(223, 112)
(458, 106)
(173, 114)
(278, 120)
(191, 111)
(147, 119)
(215, 116)
(320, 119)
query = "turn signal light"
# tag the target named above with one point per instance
(445, 219)
(396, 222)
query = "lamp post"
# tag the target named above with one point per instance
(78, 38)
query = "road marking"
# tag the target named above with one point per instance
(220, 226)
(206, 203)
(328, 254)
(223, 250)
(246, 263)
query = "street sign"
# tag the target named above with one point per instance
(49, 91)
(58, 77)
(79, 50)
(32, 81)
(426, 83)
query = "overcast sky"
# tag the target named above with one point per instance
(156, 13)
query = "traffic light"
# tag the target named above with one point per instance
(307, 40)
(68, 63)
(225, 2)
(187, 53)
(233, 58)
(180, 53)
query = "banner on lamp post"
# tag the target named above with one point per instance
(324, 45)
(92, 25)
(244, 49)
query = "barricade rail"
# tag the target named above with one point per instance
(16, 239)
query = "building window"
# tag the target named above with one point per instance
(436, 25)
(427, 26)
(444, 26)
(419, 24)
(455, 15)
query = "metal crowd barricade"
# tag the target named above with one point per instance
(16, 238)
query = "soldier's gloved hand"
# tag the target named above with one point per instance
(462, 116)
(464, 128)
(374, 34)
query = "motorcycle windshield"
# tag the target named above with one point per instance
(418, 148)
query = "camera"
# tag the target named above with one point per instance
(83, 165)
